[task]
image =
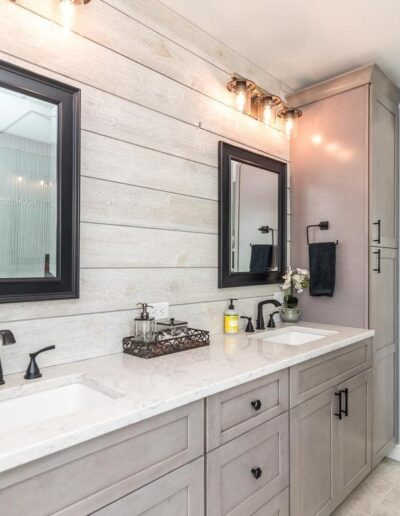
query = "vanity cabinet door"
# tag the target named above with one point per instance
(383, 170)
(384, 403)
(354, 433)
(180, 493)
(313, 456)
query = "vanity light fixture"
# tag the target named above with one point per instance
(242, 88)
(289, 115)
(266, 105)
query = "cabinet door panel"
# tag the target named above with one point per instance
(383, 297)
(278, 506)
(354, 434)
(313, 449)
(180, 493)
(383, 192)
(384, 403)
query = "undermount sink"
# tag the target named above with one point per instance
(294, 336)
(35, 404)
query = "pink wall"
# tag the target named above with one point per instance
(329, 175)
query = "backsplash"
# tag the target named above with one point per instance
(151, 123)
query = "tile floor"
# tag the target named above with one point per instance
(377, 495)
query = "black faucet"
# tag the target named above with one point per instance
(7, 338)
(33, 370)
(260, 317)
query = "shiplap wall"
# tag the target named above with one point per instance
(154, 106)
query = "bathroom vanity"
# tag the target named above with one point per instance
(209, 429)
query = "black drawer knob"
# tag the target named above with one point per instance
(256, 404)
(257, 472)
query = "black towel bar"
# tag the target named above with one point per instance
(324, 225)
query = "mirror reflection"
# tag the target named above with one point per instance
(28, 186)
(254, 216)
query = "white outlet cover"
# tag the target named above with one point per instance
(159, 310)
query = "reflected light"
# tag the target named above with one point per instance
(316, 139)
(241, 100)
(19, 179)
(42, 183)
(332, 147)
(289, 125)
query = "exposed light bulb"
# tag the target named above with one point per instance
(267, 114)
(289, 126)
(241, 95)
(67, 8)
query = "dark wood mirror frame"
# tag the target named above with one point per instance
(226, 278)
(67, 98)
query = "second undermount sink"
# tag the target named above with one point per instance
(294, 336)
(32, 405)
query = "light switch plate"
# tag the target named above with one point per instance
(159, 310)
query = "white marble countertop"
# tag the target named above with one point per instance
(150, 387)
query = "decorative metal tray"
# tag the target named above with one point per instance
(192, 339)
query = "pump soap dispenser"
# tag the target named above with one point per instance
(231, 319)
(145, 326)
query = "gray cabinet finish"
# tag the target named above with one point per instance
(278, 506)
(231, 413)
(88, 476)
(384, 403)
(232, 489)
(180, 493)
(329, 456)
(313, 459)
(354, 435)
(314, 376)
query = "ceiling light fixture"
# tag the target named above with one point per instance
(267, 104)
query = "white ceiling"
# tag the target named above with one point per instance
(303, 41)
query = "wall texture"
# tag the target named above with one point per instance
(154, 106)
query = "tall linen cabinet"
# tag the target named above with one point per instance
(344, 169)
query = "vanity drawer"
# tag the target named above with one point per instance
(180, 493)
(319, 374)
(232, 486)
(231, 413)
(89, 476)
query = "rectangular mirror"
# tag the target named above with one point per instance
(252, 218)
(39, 187)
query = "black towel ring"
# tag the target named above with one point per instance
(324, 225)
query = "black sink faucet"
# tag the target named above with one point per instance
(260, 317)
(7, 338)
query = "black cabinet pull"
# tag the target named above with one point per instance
(378, 253)
(340, 409)
(378, 223)
(346, 398)
(257, 472)
(256, 404)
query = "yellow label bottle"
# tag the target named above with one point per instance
(231, 320)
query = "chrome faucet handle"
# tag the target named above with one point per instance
(7, 337)
(33, 370)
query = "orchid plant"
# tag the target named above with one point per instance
(294, 279)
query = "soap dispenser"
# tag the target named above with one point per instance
(145, 326)
(231, 319)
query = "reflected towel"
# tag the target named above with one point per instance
(322, 257)
(261, 258)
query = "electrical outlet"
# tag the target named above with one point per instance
(159, 310)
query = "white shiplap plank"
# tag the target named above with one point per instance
(104, 246)
(105, 290)
(120, 204)
(119, 76)
(106, 158)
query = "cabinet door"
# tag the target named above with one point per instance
(313, 452)
(278, 506)
(383, 297)
(354, 433)
(383, 159)
(180, 493)
(384, 403)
